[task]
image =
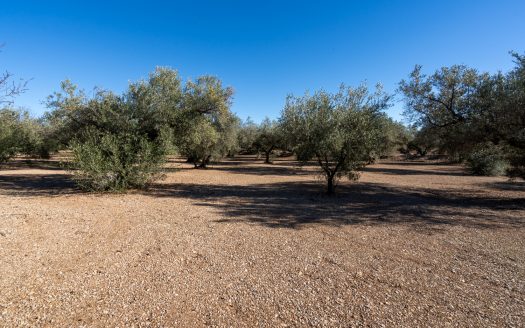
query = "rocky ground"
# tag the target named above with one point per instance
(247, 244)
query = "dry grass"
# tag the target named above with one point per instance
(247, 244)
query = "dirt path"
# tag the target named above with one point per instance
(245, 244)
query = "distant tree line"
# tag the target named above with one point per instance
(121, 141)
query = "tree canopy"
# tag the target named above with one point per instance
(457, 109)
(339, 131)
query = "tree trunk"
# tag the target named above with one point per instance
(268, 152)
(330, 189)
(205, 162)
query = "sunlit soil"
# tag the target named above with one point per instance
(247, 244)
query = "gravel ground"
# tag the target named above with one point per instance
(247, 244)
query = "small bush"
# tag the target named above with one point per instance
(487, 159)
(116, 162)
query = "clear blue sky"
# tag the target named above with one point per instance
(263, 49)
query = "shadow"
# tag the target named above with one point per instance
(398, 171)
(506, 185)
(267, 169)
(234, 161)
(299, 204)
(416, 163)
(37, 184)
(295, 205)
(21, 164)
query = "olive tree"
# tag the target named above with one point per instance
(204, 140)
(205, 127)
(424, 140)
(10, 122)
(504, 120)
(247, 136)
(153, 103)
(339, 131)
(22, 134)
(447, 105)
(442, 99)
(14, 123)
(469, 115)
(395, 138)
(269, 137)
(117, 141)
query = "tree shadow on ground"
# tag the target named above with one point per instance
(408, 162)
(247, 165)
(518, 185)
(262, 170)
(295, 205)
(299, 204)
(37, 184)
(403, 171)
(25, 164)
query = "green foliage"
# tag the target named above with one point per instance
(118, 142)
(269, 137)
(247, 136)
(488, 159)
(205, 128)
(9, 132)
(506, 114)
(265, 137)
(423, 140)
(443, 98)
(340, 131)
(148, 107)
(395, 138)
(198, 142)
(229, 131)
(66, 118)
(458, 109)
(157, 102)
(115, 162)
(21, 134)
(442, 105)
(516, 160)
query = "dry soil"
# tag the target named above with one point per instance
(248, 244)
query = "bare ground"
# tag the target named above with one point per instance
(247, 244)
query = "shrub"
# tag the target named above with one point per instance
(115, 162)
(118, 142)
(487, 159)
